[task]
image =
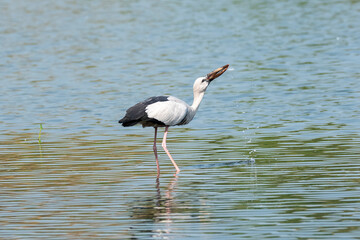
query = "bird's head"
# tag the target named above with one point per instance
(202, 83)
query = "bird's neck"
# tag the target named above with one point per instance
(197, 100)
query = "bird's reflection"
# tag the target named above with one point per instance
(158, 208)
(163, 206)
(166, 203)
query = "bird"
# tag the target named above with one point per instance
(166, 111)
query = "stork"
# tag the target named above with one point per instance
(166, 111)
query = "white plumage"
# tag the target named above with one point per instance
(171, 112)
(165, 111)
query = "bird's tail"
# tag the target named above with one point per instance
(128, 123)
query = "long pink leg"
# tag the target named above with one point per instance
(167, 151)
(155, 152)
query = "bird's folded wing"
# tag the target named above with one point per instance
(169, 112)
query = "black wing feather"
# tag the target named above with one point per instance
(137, 114)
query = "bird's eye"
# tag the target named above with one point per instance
(203, 80)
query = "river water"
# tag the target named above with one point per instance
(272, 153)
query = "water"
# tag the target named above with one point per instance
(272, 153)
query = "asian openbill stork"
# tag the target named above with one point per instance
(166, 111)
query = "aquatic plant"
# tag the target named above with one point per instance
(41, 128)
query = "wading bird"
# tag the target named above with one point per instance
(166, 111)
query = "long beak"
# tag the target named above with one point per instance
(217, 73)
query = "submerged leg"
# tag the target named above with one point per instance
(155, 152)
(167, 151)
